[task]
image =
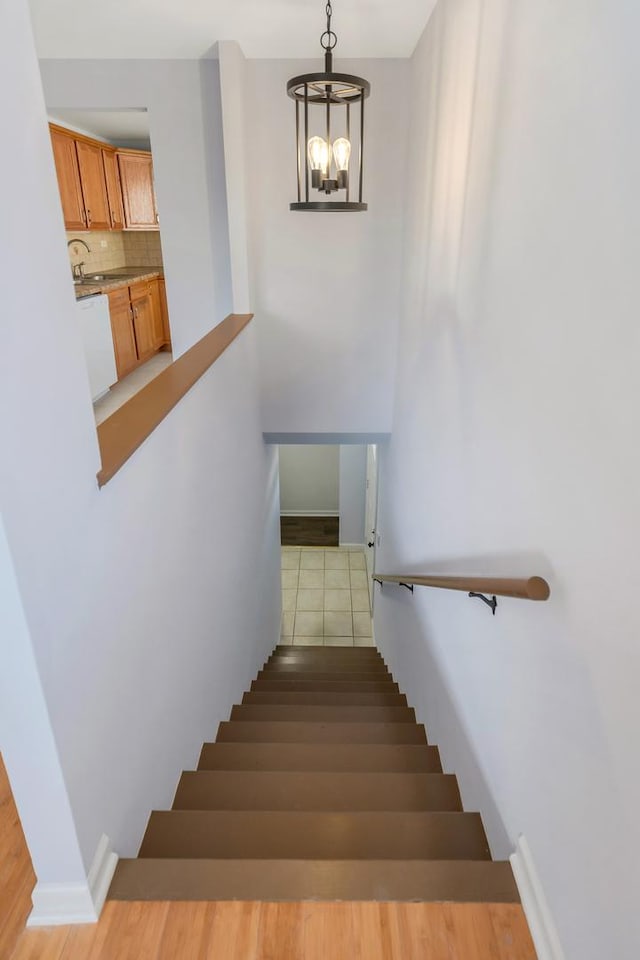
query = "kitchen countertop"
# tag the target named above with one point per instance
(120, 277)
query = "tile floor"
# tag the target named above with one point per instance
(130, 385)
(325, 598)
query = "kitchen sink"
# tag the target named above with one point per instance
(94, 278)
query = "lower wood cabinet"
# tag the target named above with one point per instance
(139, 323)
(124, 341)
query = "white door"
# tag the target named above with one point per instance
(371, 514)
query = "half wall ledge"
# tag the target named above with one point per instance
(120, 435)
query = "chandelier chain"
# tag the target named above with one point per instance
(328, 40)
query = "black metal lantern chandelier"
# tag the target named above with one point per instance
(327, 104)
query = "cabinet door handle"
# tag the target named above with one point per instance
(88, 217)
(157, 218)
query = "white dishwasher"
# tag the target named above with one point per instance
(95, 324)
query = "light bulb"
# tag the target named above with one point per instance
(341, 153)
(318, 150)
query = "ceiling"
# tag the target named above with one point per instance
(121, 127)
(125, 29)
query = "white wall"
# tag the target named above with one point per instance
(326, 287)
(135, 595)
(514, 446)
(185, 117)
(353, 479)
(309, 479)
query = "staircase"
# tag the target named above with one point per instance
(321, 786)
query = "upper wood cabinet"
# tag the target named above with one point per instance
(94, 189)
(68, 171)
(138, 196)
(114, 193)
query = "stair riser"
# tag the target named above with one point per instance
(324, 686)
(315, 836)
(452, 881)
(361, 758)
(269, 790)
(328, 699)
(327, 667)
(329, 656)
(311, 676)
(325, 714)
(281, 731)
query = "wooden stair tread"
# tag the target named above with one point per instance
(331, 713)
(284, 731)
(315, 790)
(358, 758)
(462, 881)
(327, 697)
(233, 834)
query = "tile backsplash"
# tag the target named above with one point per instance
(120, 248)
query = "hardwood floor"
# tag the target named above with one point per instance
(289, 931)
(309, 531)
(17, 879)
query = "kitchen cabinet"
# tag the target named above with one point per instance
(136, 324)
(143, 320)
(164, 312)
(94, 188)
(138, 195)
(124, 341)
(114, 193)
(68, 173)
(158, 329)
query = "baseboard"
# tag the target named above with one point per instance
(101, 873)
(352, 546)
(309, 513)
(535, 904)
(55, 904)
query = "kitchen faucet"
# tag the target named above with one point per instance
(76, 268)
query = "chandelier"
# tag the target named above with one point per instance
(329, 111)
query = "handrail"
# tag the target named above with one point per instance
(529, 588)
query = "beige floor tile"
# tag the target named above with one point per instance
(337, 600)
(289, 599)
(356, 561)
(307, 641)
(308, 624)
(312, 578)
(310, 599)
(359, 580)
(286, 548)
(363, 642)
(314, 549)
(289, 579)
(312, 561)
(337, 580)
(288, 617)
(336, 561)
(360, 600)
(338, 625)
(361, 625)
(290, 561)
(338, 641)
